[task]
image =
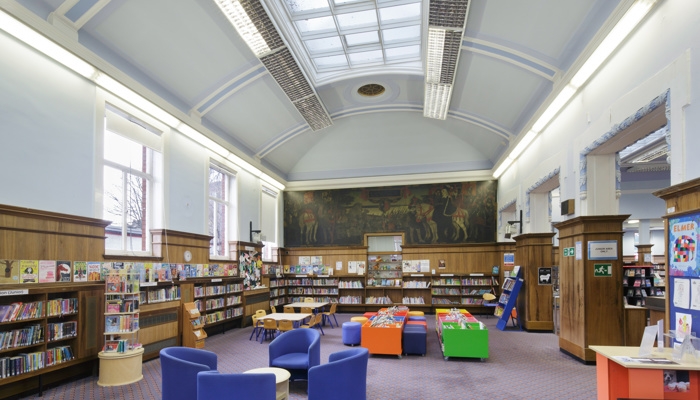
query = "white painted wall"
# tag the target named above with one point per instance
(47, 116)
(661, 54)
(47, 146)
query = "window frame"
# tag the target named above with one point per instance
(229, 205)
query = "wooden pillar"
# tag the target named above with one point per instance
(534, 251)
(680, 199)
(592, 311)
(643, 249)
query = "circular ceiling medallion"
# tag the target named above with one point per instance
(371, 90)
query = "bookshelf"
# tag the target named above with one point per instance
(122, 354)
(351, 291)
(639, 283)
(278, 291)
(384, 282)
(219, 300)
(474, 287)
(416, 290)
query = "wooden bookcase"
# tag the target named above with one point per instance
(638, 284)
(72, 305)
(219, 300)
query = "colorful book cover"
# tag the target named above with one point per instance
(213, 269)
(200, 271)
(112, 284)
(173, 271)
(286, 269)
(29, 271)
(161, 275)
(94, 271)
(233, 270)
(104, 270)
(80, 271)
(117, 265)
(9, 271)
(187, 269)
(148, 272)
(113, 307)
(63, 271)
(205, 270)
(47, 271)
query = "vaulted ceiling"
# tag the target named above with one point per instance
(187, 52)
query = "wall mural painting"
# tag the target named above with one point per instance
(446, 213)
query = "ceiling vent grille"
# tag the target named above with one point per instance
(252, 22)
(447, 20)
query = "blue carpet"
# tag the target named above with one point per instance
(521, 365)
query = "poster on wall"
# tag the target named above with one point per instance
(250, 264)
(684, 271)
(509, 259)
(544, 275)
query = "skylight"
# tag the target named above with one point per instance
(342, 35)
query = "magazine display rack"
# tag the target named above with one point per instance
(121, 357)
(506, 303)
(192, 323)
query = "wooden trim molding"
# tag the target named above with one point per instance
(48, 215)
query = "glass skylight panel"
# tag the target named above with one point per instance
(401, 34)
(358, 39)
(400, 13)
(331, 61)
(324, 44)
(395, 53)
(315, 25)
(357, 19)
(297, 6)
(343, 2)
(366, 57)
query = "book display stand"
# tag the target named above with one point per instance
(122, 355)
(381, 334)
(461, 335)
(192, 323)
(506, 303)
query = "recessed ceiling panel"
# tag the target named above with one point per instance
(494, 89)
(246, 116)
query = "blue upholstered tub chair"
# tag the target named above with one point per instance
(343, 378)
(179, 367)
(212, 385)
(296, 351)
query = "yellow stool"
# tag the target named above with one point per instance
(416, 314)
(361, 320)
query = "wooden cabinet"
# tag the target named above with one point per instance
(192, 323)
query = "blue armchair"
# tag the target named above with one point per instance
(296, 351)
(344, 377)
(179, 367)
(212, 385)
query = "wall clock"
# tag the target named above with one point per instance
(188, 255)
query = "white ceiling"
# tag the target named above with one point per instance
(186, 52)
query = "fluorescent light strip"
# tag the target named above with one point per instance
(433, 63)
(621, 30)
(244, 25)
(554, 107)
(111, 85)
(437, 100)
(503, 167)
(41, 43)
(522, 145)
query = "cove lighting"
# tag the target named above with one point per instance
(266, 178)
(503, 167)
(633, 221)
(110, 84)
(623, 28)
(41, 43)
(522, 145)
(554, 107)
(201, 139)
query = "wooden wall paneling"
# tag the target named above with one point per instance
(171, 245)
(27, 234)
(643, 249)
(592, 311)
(534, 250)
(459, 259)
(635, 321)
(680, 199)
(91, 322)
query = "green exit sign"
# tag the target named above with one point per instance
(569, 251)
(602, 269)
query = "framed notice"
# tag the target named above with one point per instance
(602, 250)
(544, 276)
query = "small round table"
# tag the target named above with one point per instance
(281, 379)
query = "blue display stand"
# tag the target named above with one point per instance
(506, 303)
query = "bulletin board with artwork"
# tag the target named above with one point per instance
(684, 274)
(250, 263)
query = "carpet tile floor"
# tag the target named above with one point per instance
(521, 365)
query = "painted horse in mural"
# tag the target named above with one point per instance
(424, 214)
(308, 225)
(460, 220)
